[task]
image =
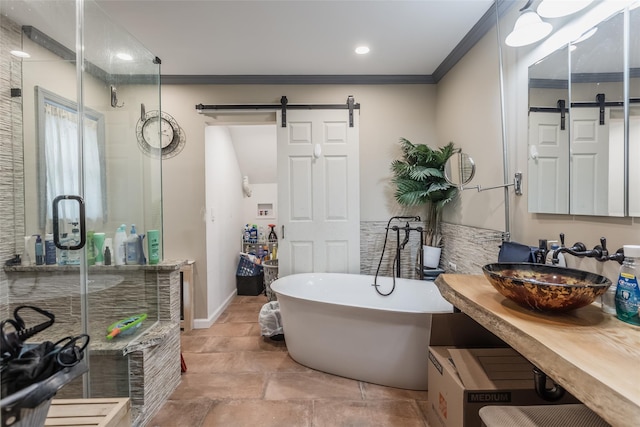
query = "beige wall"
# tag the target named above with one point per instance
(464, 108)
(387, 113)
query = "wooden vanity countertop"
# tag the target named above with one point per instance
(593, 355)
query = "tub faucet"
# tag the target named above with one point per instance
(406, 236)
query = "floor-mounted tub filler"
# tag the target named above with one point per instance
(337, 323)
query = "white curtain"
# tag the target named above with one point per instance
(62, 164)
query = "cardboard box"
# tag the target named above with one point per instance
(469, 368)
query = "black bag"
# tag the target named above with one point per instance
(37, 362)
(25, 364)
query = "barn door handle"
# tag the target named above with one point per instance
(282, 232)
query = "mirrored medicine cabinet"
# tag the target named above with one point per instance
(584, 123)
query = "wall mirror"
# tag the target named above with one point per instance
(577, 125)
(634, 111)
(459, 170)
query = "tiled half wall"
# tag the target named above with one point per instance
(468, 248)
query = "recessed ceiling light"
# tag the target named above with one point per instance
(20, 54)
(361, 50)
(124, 56)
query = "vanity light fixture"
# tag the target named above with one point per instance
(528, 29)
(362, 50)
(124, 56)
(560, 8)
(20, 54)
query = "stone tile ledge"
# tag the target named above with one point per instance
(164, 266)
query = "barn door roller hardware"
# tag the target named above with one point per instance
(283, 107)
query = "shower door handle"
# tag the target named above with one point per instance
(81, 224)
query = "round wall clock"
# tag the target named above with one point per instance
(168, 140)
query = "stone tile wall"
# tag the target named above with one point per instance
(469, 248)
(11, 154)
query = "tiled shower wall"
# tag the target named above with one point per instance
(11, 155)
(468, 248)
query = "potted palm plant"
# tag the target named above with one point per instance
(419, 179)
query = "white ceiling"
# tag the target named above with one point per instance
(268, 38)
(204, 38)
(297, 37)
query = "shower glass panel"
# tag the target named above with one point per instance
(80, 110)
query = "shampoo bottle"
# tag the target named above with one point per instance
(39, 251)
(153, 249)
(132, 254)
(120, 239)
(627, 292)
(49, 250)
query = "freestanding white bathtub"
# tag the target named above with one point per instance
(337, 323)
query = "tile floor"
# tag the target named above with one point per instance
(236, 378)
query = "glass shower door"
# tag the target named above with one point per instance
(83, 94)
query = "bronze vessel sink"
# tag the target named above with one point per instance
(546, 288)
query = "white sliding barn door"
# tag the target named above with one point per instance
(548, 164)
(318, 192)
(589, 162)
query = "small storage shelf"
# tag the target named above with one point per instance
(253, 248)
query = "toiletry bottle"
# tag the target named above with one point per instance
(541, 253)
(98, 243)
(91, 249)
(627, 292)
(153, 243)
(107, 251)
(26, 258)
(273, 237)
(254, 234)
(247, 233)
(39, 251)
(132, 255)
(73, 257)
(64, 253)
(119, 242)
(142, 260)
(608, 299)
(49, 250)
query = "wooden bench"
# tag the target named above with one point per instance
(104, 412)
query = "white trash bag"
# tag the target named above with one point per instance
(270, 321)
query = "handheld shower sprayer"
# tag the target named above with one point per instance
(396, 262)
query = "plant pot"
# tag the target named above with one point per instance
(431, 256)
